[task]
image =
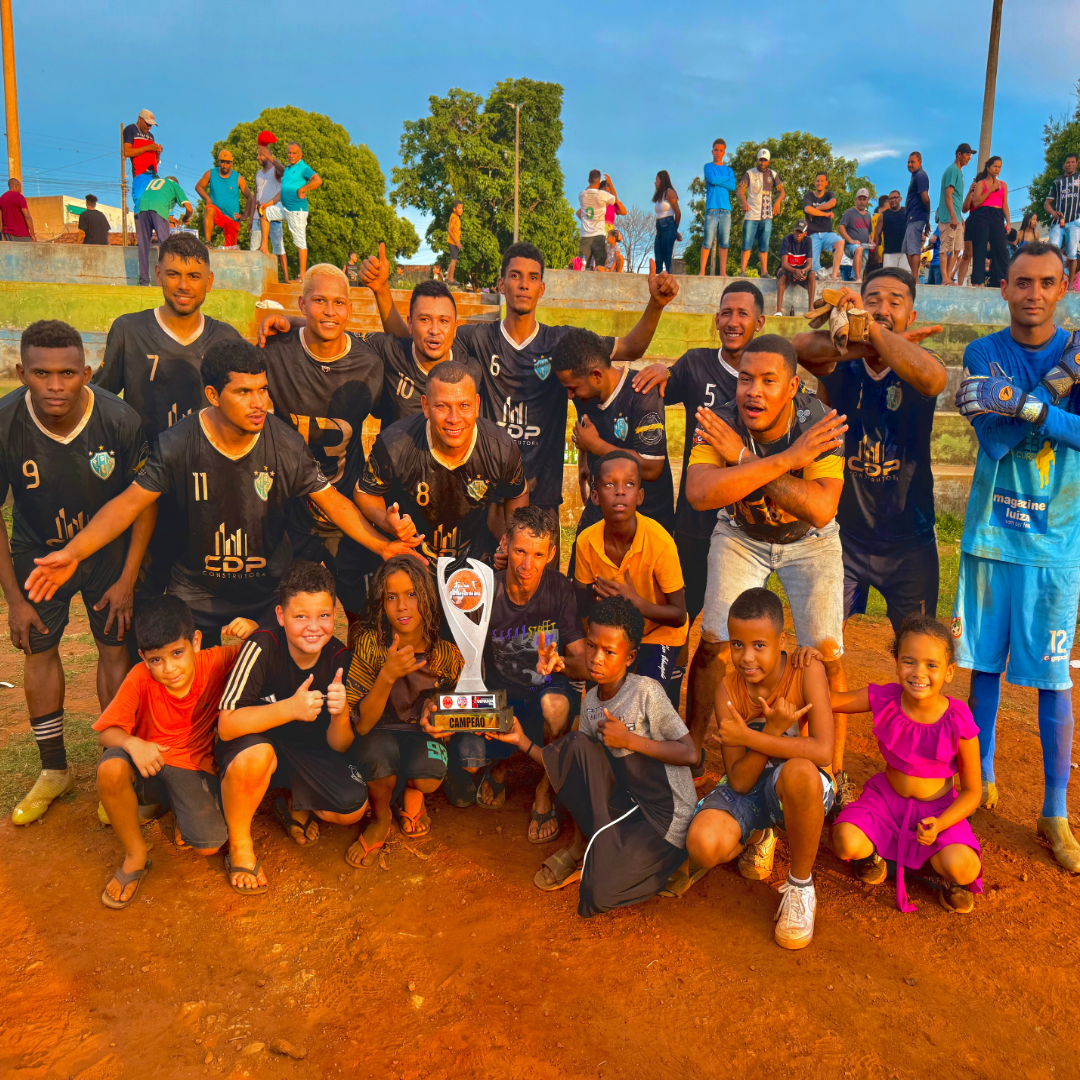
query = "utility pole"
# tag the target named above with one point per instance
(517, 161)
(987, 129)
(123, 187)
(11, 95)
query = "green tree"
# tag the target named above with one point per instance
(464, 149)
(1060, 137)
(349, 212)
(797, 156)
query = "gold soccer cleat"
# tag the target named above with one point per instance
(50, 785)
(1056, 832)
(147, 813)
(755, 862)
(989, 795)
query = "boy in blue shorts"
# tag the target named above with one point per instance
(1019, 580)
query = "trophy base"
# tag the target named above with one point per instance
(486, 711)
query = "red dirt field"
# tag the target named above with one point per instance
(449, 963)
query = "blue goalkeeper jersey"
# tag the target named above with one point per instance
(1024, 505)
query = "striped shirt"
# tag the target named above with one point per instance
(1065, 195)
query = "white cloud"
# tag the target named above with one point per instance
(865, 154)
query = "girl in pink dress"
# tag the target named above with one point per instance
(910, 814)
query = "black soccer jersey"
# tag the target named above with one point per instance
(699, 379)
(634, 421)
(265, 672)
(233, 509)
(404, 380)
(521, 394)
(889, 494)
(327, 403)
(448, 505)
(157, 372)
(58, 485)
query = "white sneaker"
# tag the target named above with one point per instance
(795, 917)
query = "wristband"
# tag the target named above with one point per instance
(531, 745)
(1034, 411)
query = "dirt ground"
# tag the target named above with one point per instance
(448, 962)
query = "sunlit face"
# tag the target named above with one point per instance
(452, 409)
(401, 604)
(821, 182)
(894, 200)
(225, 163)
(294, 153)
(914, 163)
(737, 321)
(173, 665)
(1033, 288)
(756, 646)
(765, 390)
(327, 307)
(862, 202)
(922, 666)
(718, 152)
(608, 653)
(522, 285)
(55, 379)
(433, 325)
(244, 401)
(617, 490)
(889, 303)
(1070, 165)
(308, 620)
(184, 283)
(527, 557)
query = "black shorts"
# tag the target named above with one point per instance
(408, 755)
(92, 578)
(792, 280)
(319, 777)
(211, 614)
(905, 573)
(194, 798)
(455, 251)
(353, 568)
(694, 556)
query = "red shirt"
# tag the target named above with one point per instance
(187, 725)
(12, 204)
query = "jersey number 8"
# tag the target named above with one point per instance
(423, 494)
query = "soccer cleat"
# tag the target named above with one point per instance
(989, 795)
(871, 870)
(755, 862)
(50, 785)
(956, 899)
(846, 792)
(795, 917)
(1056, 832)
(147, 813)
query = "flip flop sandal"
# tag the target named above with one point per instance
(124, 879)
(459, 787)
(420, 822)
(253, 871)
(679, 883)
(283, 816)
(497, 789)
(367, 851)
(541, 820)
(564, 868)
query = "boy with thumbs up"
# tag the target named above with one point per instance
(285, 723)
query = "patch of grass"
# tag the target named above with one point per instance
(950, 528)
(20, 763)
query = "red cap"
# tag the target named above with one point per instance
(266, 138)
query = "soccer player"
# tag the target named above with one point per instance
(228, 473)
(517, 391)
(66, 449)
(440, 470)
(1019, 578)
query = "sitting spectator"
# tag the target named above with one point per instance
(614, 262)
(93, 224)
(819, 205)
(18, 225)
(891, 229)
(156, 203)
(1029, 230)
(795, 254)
(855, 228)
(221, 189)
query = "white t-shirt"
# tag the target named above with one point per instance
(593, 203)
(759, 193)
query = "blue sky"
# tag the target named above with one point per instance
(646, 87)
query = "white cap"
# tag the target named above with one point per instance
(763, 153)
(861, 192)
(148, 116)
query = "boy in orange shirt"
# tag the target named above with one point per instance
(453, 239)
(630, 555)
(158, 733)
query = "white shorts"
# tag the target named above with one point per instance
(898, 259)
(295, 219)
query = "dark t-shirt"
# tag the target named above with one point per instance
(521, 394)
(95, 226)
(893, 227)
(889, 489)
(513, 646)
(57, 487)
(233, 510)
(449, 506)
(633, 421)
(858, 225)
(798, 251)
(917, 210)
(699, 379)
(818, 224)
(265, 672)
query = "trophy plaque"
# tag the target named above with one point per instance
(471, 706)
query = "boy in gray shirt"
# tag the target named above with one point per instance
(624, 775)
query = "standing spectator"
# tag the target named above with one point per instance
(93, 224)
(719, 183)
(613, 262)
(988, 224)
(453, 239)
(351, 269)
(755, 193)
(221, 188)
(891, 230)
(819, 206)
(918, 212)
(668, 216)
(616, 208)
(297, 181)
(951, 219)
(1063, 206)
(933, 270)
(855, 226)
(795, 254)
(155, 205)
(267, 194)
(15, 214)
(592, 206)
(143, 152)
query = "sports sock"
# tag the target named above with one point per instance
(800, 882)
(49, 733)
(985, 699)
(1055, 734)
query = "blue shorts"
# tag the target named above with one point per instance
(760, 807)
(759, 230)
(1022, 615)
(717, 226)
